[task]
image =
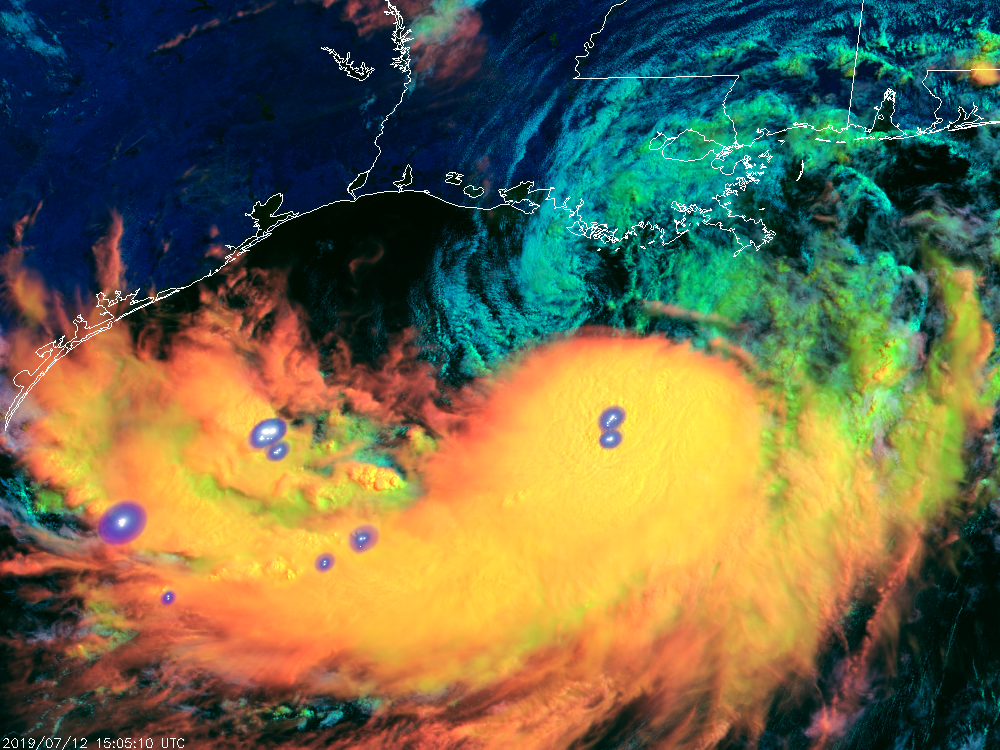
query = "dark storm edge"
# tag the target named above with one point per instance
(520, 197)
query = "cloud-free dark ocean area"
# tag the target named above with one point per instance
(355, 484)
(179, 118)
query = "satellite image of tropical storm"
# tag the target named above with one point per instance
(432, 374)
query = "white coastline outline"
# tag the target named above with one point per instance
(937, 118)
(401, 38)
(347, 66)
(55, 350)
(854, 74)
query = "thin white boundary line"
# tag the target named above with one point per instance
(589, 44)
(347, 66)
(56, 350)
(854, 75)
(923, 83)
(401, 37)
(725, 99)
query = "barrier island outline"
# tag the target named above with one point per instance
(266, 219)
